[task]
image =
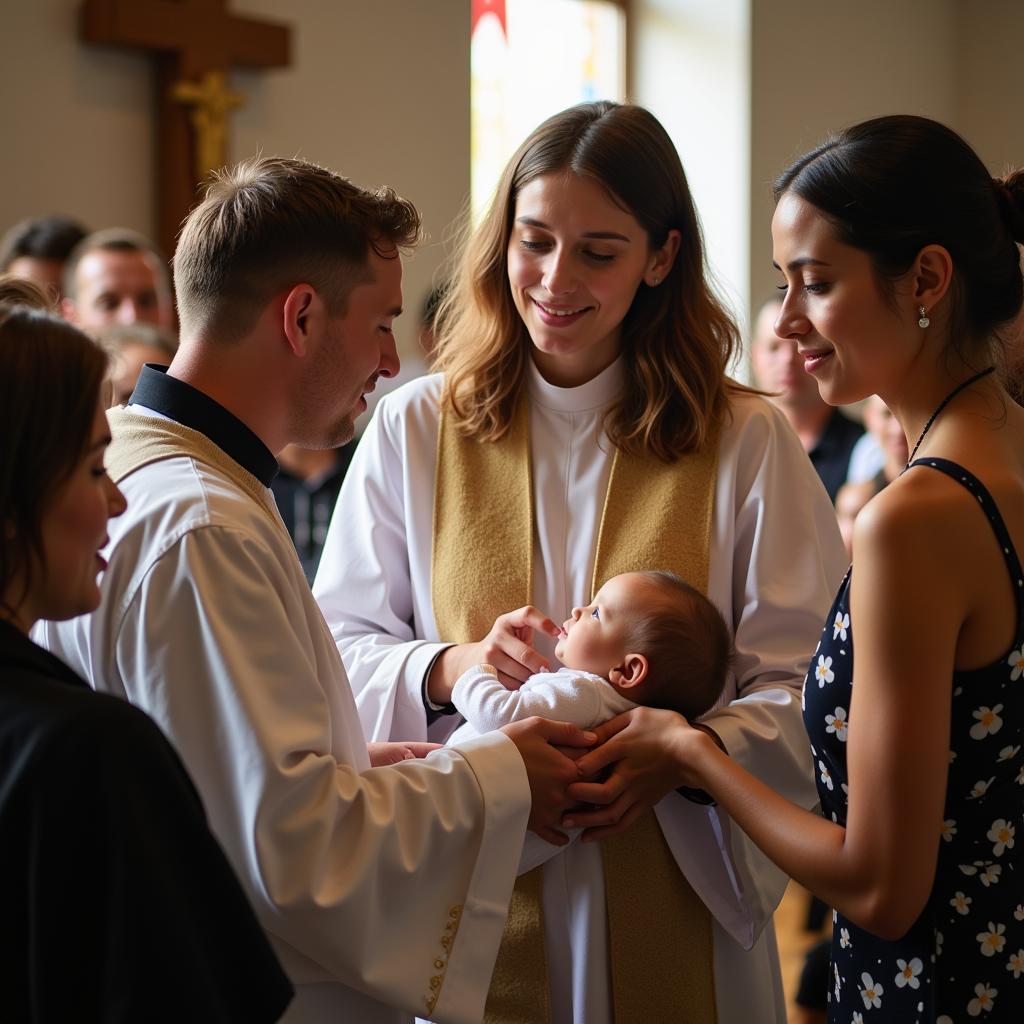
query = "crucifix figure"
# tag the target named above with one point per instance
(211, 102)
(196, 42)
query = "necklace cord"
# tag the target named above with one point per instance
(942, 405)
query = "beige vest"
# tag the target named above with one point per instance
(656, 516)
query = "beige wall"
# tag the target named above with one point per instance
(818, 68)
(815, 69)
(378, 92)
(990, 79)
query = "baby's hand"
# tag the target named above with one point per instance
(383, 754)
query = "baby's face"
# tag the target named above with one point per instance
(594, 637)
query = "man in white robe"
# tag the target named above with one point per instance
(384, 890)
(775, 559)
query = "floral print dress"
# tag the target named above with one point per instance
(963, 959)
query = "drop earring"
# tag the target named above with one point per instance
(923, 320)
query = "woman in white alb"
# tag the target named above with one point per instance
(582, 425)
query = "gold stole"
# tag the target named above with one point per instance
(656, 516)
(139, 440)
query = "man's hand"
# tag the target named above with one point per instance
(508, 647)
(649, 749)
(550, 772)
(382, 754)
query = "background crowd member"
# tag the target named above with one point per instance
(118, 902)
(891, 442)
(131, 346)
(583, 383)
(38, 248)
(117, 276)
(428, 331)
(20, 291)
(827, 435)
(306, 488)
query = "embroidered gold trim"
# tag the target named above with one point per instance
(451, 926)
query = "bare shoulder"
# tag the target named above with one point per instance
(920, 509)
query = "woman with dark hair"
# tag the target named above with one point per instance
(900, 257)
(582, 425)
(118, 903)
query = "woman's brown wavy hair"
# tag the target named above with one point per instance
(677, 338)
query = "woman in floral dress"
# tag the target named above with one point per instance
(899, 265)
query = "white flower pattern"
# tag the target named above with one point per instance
(824, 672)
(1001, 835)
(1015, 963)
(840, 625)
(984, 999)
(837, 724)
(1016, 663)
(870, 992)
(992, 940)
(908, 973)
(988, 724)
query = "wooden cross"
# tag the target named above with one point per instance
(196, 42)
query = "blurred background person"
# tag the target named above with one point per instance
(891, 443)
(38, 248)
(20, 291)
(130, 347)
(117, 276)
(827, 435)
(428, 330)
(118, 902)
(306, 488)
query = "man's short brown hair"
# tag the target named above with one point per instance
(268, 224)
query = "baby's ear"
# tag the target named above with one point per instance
(632, 671)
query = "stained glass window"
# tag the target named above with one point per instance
(530, 59)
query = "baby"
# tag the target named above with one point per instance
(648, 638)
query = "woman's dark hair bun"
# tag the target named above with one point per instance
(1010, 190)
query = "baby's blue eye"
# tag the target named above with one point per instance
(595, 614)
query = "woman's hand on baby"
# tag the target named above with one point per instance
(382, 754)
(645, 748)
(508, 647)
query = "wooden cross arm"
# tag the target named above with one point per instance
(201, 32)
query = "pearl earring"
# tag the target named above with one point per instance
(923, 321)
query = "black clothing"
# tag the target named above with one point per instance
(830, 455)
(118, 903)
(306, 506)
(191, 408)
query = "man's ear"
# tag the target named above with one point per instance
(68, 310)
(632, 671)
(298, 313)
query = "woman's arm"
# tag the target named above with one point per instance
(907, 607)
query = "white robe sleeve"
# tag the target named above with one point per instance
(360, 875)
(364, 585)
(786, 562)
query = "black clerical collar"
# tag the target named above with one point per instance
(188, 406)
